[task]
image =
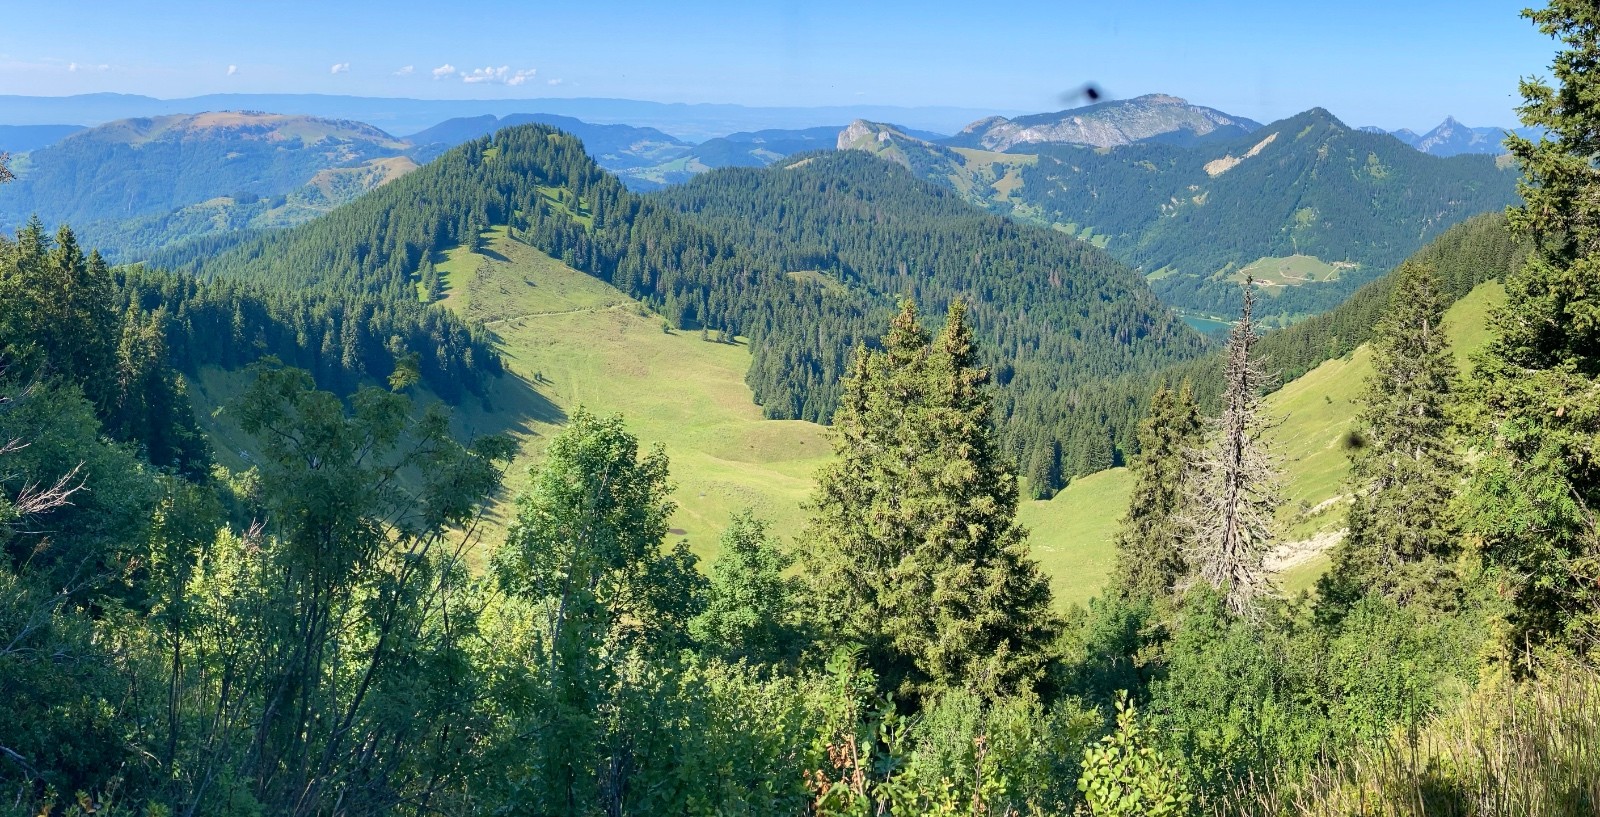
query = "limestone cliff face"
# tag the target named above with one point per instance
(1107, 124)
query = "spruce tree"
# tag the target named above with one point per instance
(1151, 539)
(1233, 493)
(1404, 468)
(915, 552)
(1536, 492)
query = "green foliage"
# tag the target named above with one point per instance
(58, 319)
(347, 619)
(1405, 469)
(50, 443)
(1535, 492)
(751, 606)
(586, 547)
(913, 546)
(1123, 775)
(1511, 748)
(1150, 543)
(1237, 699)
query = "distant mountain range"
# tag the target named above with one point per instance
(1306, 206)
(691, 122)
(1451, 138)
(616, 147)
(1193, 197)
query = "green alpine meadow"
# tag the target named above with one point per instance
(834, 410)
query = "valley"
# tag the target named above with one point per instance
(1008, 451)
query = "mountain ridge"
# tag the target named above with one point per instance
(1107, 124)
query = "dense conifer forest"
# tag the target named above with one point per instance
(325, 633)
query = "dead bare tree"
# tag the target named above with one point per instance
(1233, 490)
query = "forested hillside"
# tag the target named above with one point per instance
(1479, 250)
(1055, 314)
(1060, 313)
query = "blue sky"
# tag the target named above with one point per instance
(1394, 64)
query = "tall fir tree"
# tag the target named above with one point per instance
(1150, 542)
(1536, 494)
(1234, 490)
(915, 552)
(1404, 468)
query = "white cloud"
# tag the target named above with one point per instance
(233, 69)
(340, 68)
(444, 71)
(406, 71)
(72, 67)
(502, 75)
(553, 82)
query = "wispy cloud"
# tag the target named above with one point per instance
(502, 75)
(74, 67)
(406, 71)
(554, 81)
(340, 68)
(444, 71)
(233, 69)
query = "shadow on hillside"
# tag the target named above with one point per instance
(493, 255)
(512, 406)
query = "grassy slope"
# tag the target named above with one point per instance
(571, 340)
(1072, 534)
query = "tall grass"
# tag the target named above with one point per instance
(1529, 749)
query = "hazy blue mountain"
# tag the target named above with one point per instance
(1406, 135)
(615, 147)
(1451, 138)
(1152, 117)
(23, 138)
(139, 184)
(694, 123)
